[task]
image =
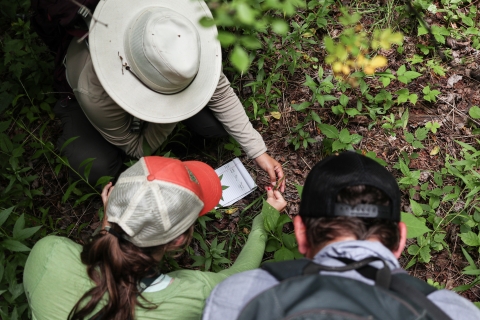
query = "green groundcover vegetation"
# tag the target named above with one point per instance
(351, 62)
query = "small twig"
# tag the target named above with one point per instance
(306, 163)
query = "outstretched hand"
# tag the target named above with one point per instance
(273, 168)
(275, 199)
(107, 190)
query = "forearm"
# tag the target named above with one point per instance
(251, 255)
(228, 109)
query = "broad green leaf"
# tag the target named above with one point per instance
(19, 225)
(289, 240)
(337, 145)
(343, 100)
(474, 112)
(315, 117)
(344, 136)
(328, 130)
(283, 254)
(284, 218)
(270, 217)
(279, 26)
(413, 249)
(415, 226)
(226, 38)
(401, 70)
(356, 138)
(272, 245)
(416, 208)
(239, 59)
(250, 42)
(302, 106)
(14, 245)
(468, 21)
(470, 239)
(26, 233)
(245, 13)
(425, 254)
(5, 214)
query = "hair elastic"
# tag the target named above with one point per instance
(112, 232)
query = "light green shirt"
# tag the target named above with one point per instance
(55, 279)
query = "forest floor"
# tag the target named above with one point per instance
(459, 90)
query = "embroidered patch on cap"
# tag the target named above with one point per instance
(192, 176)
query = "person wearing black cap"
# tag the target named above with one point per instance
(350, 210)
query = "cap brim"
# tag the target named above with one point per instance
(209, 183)
(106, 39)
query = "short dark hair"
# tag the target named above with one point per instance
(323, 230)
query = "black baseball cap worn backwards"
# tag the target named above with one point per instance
(332, 174)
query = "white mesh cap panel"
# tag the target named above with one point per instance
(151, 212)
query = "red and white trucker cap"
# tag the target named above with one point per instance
(157, 199)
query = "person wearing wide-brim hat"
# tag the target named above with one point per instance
(148, 65)
(150, 212)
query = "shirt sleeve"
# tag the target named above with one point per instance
(228, 109)
(111, 120)
(455, 306)
(252, 253)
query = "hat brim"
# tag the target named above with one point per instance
(107, 45)
(209, 183)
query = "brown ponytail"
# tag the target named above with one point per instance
(116, 266)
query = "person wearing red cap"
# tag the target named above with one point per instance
(149, 213)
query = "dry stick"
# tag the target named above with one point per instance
(306, 163)
(84, 10)
(279, 183)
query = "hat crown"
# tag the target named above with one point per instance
(163, 49)
(333, 174)
(157, 199)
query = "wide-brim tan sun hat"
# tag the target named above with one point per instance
(153, 58)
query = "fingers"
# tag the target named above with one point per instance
(281, 203)
(278, 195)
(107, 190)
(272, 175)
(275, 199)
(273, 169)
(281, 177)
(270, 193)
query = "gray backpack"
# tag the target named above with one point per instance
(305, 294)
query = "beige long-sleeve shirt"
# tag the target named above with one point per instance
(114, 123)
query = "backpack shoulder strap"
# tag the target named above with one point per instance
(286, 269)
(417, 291)
(408, 286)
(416, 283)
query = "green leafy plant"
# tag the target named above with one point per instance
(283, 245)
(342, 140)
(433, 126)
(405, 76)
(391, 123)
(214, 254)
(15, 241)
(415, 139)
(233, 146)
(429, 94)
